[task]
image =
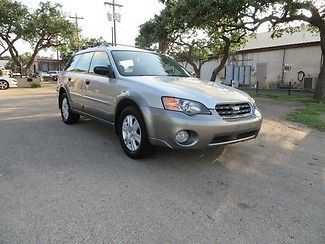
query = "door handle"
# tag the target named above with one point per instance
(87, 82)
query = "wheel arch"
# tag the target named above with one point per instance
(135, 100)
(121, 105)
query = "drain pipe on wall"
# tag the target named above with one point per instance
(283, 60)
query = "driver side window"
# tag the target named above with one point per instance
(99, 59)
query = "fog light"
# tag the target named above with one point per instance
(182, 136)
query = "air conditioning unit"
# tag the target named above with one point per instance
(310, 83)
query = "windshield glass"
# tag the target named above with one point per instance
(137, 63)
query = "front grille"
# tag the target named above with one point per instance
(236, 110)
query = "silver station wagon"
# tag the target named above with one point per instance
(151, 100)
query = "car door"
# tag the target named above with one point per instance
(80, 75)
(97, 89)
(70, 77)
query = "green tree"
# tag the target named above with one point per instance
(157, 33)
(24, 59)
(75, 44)
(190, 39)
(233, 15)
(13, 20)
(43, 28)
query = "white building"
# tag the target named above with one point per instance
(273, 62)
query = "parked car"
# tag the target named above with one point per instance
(54, 75)
(151, 100)
(42, 74)
(7, 82)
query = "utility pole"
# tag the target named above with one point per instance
(76, 18)
(116, 17)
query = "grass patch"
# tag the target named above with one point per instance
(283, 97)
(311, 114)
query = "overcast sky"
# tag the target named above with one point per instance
(95, 23)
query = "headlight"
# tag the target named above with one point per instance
(182, 105)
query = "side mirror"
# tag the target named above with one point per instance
(105, 71)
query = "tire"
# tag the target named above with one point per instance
(4, 85)
(67, 115)
(133, 134)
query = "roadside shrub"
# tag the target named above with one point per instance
(36, 85)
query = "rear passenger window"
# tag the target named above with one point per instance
(99, 59)
(84, 62)
(72, 63)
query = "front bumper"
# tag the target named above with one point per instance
(205, 130)
(12, 84)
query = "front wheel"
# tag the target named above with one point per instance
(4, 85)
(133, 134)
(67, 115)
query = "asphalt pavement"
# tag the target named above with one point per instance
(73, 183)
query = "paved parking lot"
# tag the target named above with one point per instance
(61, 183)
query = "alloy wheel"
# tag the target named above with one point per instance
(3, 85)
(131, 133)
(65, 108)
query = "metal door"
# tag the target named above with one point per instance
(241, 75)
(261, 73)
(229, 74)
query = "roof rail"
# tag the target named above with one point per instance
(148, 49)
(98, 44)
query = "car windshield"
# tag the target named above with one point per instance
(137, 63)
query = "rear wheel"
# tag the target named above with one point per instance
(67, 115)
(4, 85)
(133, 134)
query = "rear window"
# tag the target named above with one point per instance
(72, 63)
(84, 62)
(79, 63)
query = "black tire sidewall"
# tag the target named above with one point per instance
(64, 95)
(72, 118)
(145, 147)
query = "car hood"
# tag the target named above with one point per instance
(208, 93)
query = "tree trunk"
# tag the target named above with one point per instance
(14, 54)
(5, 49)
(163, 45)
(31, 60)
(225, 55)
(320, 87)
(197, 69)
